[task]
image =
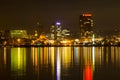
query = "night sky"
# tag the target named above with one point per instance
(24, 14)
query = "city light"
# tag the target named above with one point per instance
(58, 23)
(87, 14)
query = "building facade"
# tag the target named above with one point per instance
(18, 33)
(55, 31)
(86, 25)
(58, 33)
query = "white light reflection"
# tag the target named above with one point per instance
(93, 57)
(76, 51)
(58, 65)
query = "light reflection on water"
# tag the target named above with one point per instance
(18, 61)
(59, 63)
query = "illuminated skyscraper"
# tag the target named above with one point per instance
(86, 25)
(55, 31)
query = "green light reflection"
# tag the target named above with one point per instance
(18, 61)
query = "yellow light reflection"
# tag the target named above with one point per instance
(45, 55)
(112, 55)
(4, 55)
(52, 54)
(36, 57)
(107, 55)
(66, 56)
(119, 56)
(98, 55)
(33, 53)
(87, 55)
(115, 56)
(101, 55)
(18, 60)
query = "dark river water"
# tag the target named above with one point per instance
(60, 63)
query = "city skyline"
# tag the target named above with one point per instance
(25, 14)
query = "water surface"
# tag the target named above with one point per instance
(60, 63)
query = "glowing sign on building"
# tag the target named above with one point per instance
(58, 23)
(87, 14)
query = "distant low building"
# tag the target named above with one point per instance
(18, 33)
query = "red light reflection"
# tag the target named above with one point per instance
(87, 73)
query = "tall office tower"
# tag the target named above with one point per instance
(86, 25)
(55, 31)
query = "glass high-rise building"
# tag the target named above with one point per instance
(55, 31)
(86, 25)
